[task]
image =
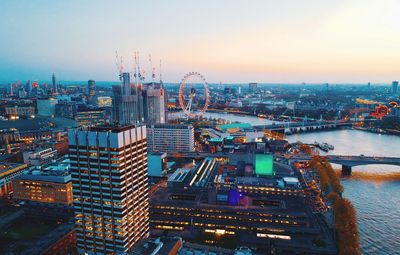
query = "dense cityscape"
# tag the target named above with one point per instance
(137, 165)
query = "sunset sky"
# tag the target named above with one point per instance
(286, 41)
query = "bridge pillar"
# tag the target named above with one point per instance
(346, 170)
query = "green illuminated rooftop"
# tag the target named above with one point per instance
(264, 165)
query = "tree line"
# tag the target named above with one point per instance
(345, 215)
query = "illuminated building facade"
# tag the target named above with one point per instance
(51, 184)
(8, 172)
(110, 187)
(265, 212)
(90, 117)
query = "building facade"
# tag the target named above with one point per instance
(90, 117)
(170, 138)
(20, 111)
(154, 105)
(8, 172)
(91, 89)
(51, 184)
(110, 187)
(395, 87)
(127, 103)
(46, 107)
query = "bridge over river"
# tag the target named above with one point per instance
(346, 161)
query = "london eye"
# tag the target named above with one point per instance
(193, 95)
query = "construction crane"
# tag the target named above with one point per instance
(153, 75)
(119, 65)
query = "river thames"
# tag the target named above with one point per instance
(377, 202)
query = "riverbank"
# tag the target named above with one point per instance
(344, 212)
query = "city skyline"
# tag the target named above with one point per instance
(263, 41)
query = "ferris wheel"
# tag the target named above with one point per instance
(193, 95)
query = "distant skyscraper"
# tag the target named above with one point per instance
(253, 86)
(110, 187)
(27, 86)
(54, 82)
(127, 103)
(91, 89)
(395, 87)
(154, 104)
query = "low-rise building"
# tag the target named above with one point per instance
(8, 172)
(39, 157)
(20, 110)
(51, 184)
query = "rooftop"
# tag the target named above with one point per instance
(111, 128)
(58, 172)
(9, 168)
(234, 125)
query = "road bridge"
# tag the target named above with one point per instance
(346, 161)
(297, 127)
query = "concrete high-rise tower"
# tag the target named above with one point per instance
(127, 103)
(154, 104)
(110, 187)
(395, 87)
(91, 89)
(54, 83)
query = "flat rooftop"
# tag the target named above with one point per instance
(111, 128)
(179, 175)
(58, 172)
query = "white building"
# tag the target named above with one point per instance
(170, 138)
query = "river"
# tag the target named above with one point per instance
(377, 202)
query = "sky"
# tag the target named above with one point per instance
(236, 41)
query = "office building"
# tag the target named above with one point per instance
(252, 86)
(170, 138)
(104, 101)
(110, 187)
(90, 117)
(51, 184)
(127, 103)
(91, 89)
(66, 109)
(54, 83)
(46, 107)
(8, 172)
(395, 87)
(154, 105)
